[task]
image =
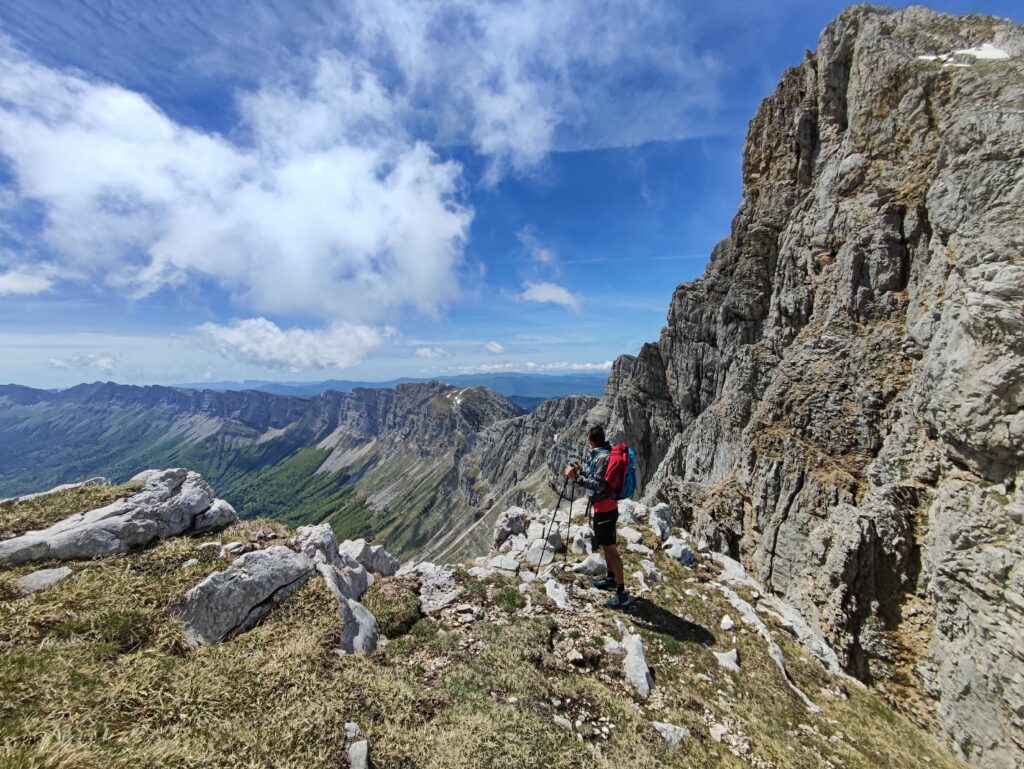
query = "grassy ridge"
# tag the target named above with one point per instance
(95, 674)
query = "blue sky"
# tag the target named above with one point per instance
(303, 190)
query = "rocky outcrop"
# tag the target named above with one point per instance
(634, 662)
(839, 401)
(169, 504)
(234, 600)
(438, 588)
(359, 631)
(346, 570)
(374, 558)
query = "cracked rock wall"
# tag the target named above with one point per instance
(839, 400)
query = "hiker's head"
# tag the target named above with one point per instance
(595, 436)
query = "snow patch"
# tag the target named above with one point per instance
(985, 51)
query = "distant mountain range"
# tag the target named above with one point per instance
(414, 466)
(530, 389)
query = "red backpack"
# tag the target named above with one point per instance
(617, 469)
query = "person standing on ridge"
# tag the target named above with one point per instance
(606, 512)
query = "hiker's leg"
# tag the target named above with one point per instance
(614, 562)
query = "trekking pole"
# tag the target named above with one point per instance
(568, 528)
(554, 517)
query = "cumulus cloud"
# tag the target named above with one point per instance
(101, 362)
(262, 342)
(494, 348)
(430, 353)
(25, 281)
(327, 208)
(550, 293)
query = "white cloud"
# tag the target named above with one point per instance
(494, 348)
(566, 366)
(550, 293)
(261, 342)
(540, 253)
(327, 208)
(25, 281)
(101, 362)
(519, 79)
(326, 201)
(430, 353)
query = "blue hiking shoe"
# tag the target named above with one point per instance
(620, 600)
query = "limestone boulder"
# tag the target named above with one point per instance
(235, 599)
(170, 503)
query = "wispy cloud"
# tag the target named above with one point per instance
(326, 196)
(430, 353)
(494, 348)
(539, 252)
(514, 79)
(550, 293)
(532, 367)
(260, 341)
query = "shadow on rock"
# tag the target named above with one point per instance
(654, 617)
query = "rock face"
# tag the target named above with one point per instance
(170, 503)
(507, 464)
(839, 401)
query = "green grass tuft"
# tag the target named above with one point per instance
(396, 605)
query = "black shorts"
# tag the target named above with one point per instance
(604, 528)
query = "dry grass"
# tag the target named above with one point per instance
(94, 673)
(47, 510)
(395, 603)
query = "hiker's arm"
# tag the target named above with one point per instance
(594, 483)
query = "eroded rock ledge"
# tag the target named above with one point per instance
(170, 503)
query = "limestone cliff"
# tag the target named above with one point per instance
(839, 400)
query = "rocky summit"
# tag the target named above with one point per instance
(826, 545)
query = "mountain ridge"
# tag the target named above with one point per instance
(519, 384)
(402, 463)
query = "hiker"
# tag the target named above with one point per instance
(606, 512)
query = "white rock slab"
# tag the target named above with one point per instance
(672, 734)
(41, 580)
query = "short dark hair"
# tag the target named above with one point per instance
(596, 435)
